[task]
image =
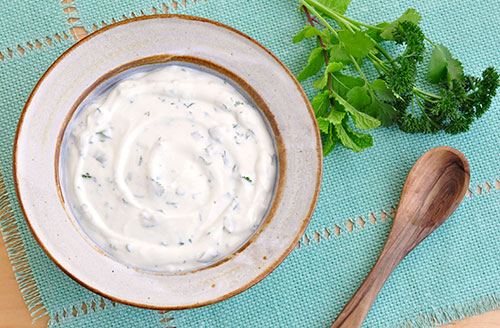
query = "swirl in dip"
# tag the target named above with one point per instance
(171, 169)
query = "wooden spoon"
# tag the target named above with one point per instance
(436, 185)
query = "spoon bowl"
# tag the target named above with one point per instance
(432, 203)
(434, 188)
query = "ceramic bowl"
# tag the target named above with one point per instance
(153, 40)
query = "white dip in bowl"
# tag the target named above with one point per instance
(170, 169)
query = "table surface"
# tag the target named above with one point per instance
(14, 313)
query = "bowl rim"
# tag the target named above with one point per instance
(262, 275)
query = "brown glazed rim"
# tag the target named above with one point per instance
(163, 59)
(261, 276)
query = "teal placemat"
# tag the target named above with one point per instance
(24, 23)
(452, 274)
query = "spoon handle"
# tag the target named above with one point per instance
(357, 308)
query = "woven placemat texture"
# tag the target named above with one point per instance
(452, 274)
(24, 22)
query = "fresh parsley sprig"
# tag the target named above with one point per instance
(346, 102)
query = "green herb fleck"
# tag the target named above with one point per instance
(86, 176)
(247, 178)
(103, 134)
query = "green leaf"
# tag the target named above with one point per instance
(308, 32)
(345, 139)
(357, 44)
(363, 140)
(314, 64)
(374, 33)
(361, 120)
(328, 136)
(335, 116)
(359, 97)
(351, 139)
(321, 83)
(333, 39)
(323, 125)
(331, 68)
(340, 6)
(443, 65)
(342, 83)
(410, 15)
(382, 90)
(455, 70)
(382, 111)
(339, 54)
(334, 67)
(330, 140)
(321, 103)
(437, 66)
(329, 145)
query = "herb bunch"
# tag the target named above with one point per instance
(345, 101)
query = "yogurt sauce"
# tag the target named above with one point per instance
(170, 170)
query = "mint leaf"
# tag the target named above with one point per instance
(345, 139)
(351, 139)
(340, 6)
(321, 103)
(363, 140)
(361, 120)
(382, 90)
(359, 97)
(321, 83)
(384, 112)
(314, 64)
(330, 140)
(410, 15)
(443, 65)
(331, 68)
(334, 67)
(308, 32)
(357, 44)
(342, 83)
(323, 125)
(329, 144)
(335, 116)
